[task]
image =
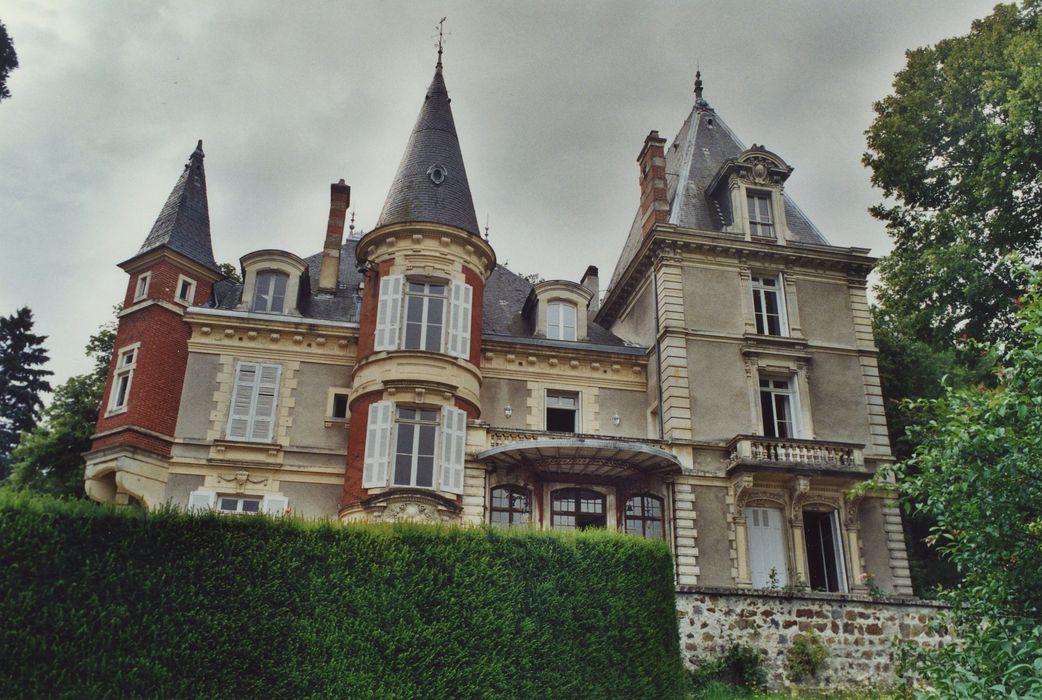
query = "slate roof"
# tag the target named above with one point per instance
(414, 196)
(505, 295)
(183, 223)
(701, 146)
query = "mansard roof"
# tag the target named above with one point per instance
(431, 182)
(703, 144)
(183, 224)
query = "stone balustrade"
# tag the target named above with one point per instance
(787, 452)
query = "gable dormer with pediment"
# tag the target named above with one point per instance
(747, 192)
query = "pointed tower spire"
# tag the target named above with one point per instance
(183, 224)
(431, 183)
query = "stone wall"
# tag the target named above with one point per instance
(858, 631)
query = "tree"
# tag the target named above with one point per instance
(22, 380)
(8, 61)
(958, 149)
(977, 473)
(230, 271)
(48, 458)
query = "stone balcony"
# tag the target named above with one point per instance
(758, 453)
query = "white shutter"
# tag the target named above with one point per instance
(274, 505)
(460, 303)
(388, 313)
(453, 442)
(766, 546)
(241, 412)
(201, 499)
(377, 444)
(266, 404)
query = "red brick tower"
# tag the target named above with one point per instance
(174, 269)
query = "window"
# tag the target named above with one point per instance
(763, 527)
(824, 551)
(562, 411)
(778, 404)
(238, 504)
(769, 306)
(339, 405)
(269, 293)
(424, 316)
(121, 380)
(254, 402)
(141, 290)
(185, 290)
(426, 450)
(578, 509)
(644, 516)
(436, 315)
(760, 221)
(560, 323)
(511, 506)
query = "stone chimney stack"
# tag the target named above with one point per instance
(339, 200)
(592, 282)
(652, 160)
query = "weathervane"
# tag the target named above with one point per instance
(441, 38)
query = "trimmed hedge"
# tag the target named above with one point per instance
(100, 602)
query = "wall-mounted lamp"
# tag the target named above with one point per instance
(508, 411)
(615, 420)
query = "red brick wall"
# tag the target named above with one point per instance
(135, 439)
(353, 491)
(476, 313)
(163, 285)
(367, 315)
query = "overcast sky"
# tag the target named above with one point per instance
(552, 103)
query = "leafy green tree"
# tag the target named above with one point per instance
(230, 271)
(977, 473)
(48, 458)
(957, 149)
(22, 380)
(8, 61)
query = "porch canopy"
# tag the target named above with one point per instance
(587, 456)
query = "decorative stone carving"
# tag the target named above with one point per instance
(852, 518)
(409, 512)
(798, 495)
(241, 479)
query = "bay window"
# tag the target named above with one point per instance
(436, 316)
(425, 447)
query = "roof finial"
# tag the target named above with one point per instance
(486, 226)
(198, 150)
(698, 83)
(351, 228)
(441, 40)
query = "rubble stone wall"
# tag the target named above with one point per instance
(858, 630)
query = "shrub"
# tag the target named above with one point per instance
(741, 665)
(99, 602)
(805, 657)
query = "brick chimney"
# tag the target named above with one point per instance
(591, 281)
(339, 200)
(652, 160)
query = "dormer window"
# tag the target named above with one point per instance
(269, 294)
(761, 222)
(561, 321)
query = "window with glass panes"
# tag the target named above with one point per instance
(644, 516)
(562, 411)
(238, 505)
(424, 315)
(269, 294)
(578, 509)
(777, 404)
(560, 321)
(511, 506)
(760, 221)
(768, 305)
(415, 441)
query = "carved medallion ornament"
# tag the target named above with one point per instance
(241, 479)
(409, 512)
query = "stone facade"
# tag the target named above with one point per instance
(858, 631)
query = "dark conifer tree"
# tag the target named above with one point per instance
(22, 380)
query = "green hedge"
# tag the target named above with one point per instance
(98, 602)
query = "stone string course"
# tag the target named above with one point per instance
(858, 630)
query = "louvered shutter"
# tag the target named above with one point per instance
(265, 406)
(460, 301)
(201, 499)
(241, 412)
(453, 442)
(274, 505)
(766, 546)
(377, 445)
(388, 313)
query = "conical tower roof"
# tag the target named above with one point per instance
(183, 224)
(431, 183)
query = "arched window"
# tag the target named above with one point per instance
(578, 509)
(511, 506)
(560, 321)
(269, 294)
(824, 545)
(644, 516)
